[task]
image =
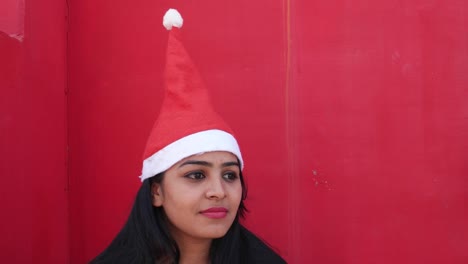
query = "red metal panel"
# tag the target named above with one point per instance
(352, 120)
(115, 94)
(34, 223)
(382, 122)
(113, 71)
(352, 117)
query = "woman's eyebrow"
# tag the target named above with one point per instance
(208, 164)
(231, 163)
(196, 162)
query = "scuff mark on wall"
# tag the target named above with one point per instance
(12, 18)
(19, 37)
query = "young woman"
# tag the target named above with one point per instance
(192, 195)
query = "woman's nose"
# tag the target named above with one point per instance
(215, 189)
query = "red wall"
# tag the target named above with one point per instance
(352, 117)
(381, 123)
(34, 221)
(115, 94)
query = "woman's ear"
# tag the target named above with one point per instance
(156, 194)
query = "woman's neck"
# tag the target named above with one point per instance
(193, 251)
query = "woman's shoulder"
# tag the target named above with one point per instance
(256, 250)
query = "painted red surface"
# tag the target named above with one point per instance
(12, 17)
(382, 126)
(34, 222)
(352, 118)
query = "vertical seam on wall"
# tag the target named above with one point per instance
(67, 125)
(291, 139)
(287, 6)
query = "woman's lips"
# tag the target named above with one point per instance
(215, 212)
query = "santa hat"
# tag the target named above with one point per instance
(187, 123)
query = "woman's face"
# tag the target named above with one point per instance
(200, 195)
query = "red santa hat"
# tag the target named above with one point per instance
(187, 123)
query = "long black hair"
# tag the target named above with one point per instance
(145, 237)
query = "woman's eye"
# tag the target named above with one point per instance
(230, 176)
(195, 175)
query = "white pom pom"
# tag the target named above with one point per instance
(172, 18)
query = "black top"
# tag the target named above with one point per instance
(252, 251)
(257, 251)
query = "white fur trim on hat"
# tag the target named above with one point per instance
(205, 141)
